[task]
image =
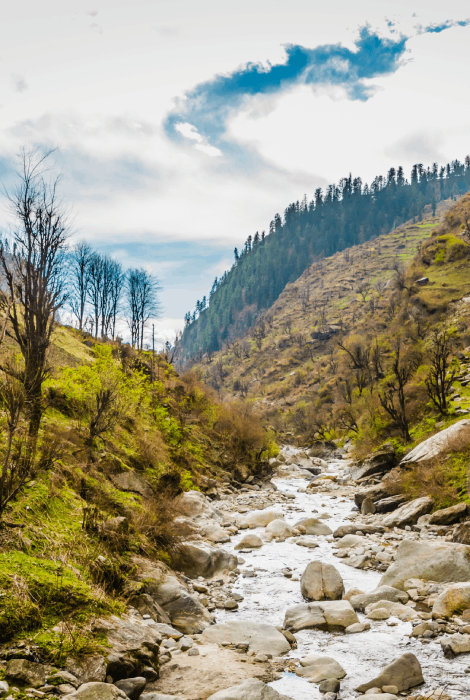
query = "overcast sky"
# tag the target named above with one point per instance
(185, 125)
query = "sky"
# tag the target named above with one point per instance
(184, 126)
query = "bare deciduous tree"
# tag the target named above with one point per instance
(80, 259)
(142, 301)
(32, 259)
(392, 398)
(442, 371)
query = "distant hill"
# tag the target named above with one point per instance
(348, 214)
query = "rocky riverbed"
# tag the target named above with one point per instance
(305, 586)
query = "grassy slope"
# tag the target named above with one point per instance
(293, 378)
(172, 433)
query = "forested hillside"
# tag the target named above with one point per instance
(347, 214)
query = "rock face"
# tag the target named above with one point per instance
(377, 463)
(430, 561)
(250, 541)
(457, 435)
(360, 602)
(261, 637)
(321, 582)
(329, 615)
(134, 647)
(28, 672)
(409, 513)
(250, 689)
(404, 673)
(202, 560)
(131, 481)
(318, 668)
(97, 691)
(261, 518)
(455, 599)
(314, 526)
(448, 516)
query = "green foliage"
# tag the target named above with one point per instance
(186, 482)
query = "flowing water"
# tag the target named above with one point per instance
(270, 593)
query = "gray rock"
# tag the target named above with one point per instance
(250, 541)
(134, 647)
(132, 687)
(318, 668)
(352, 528)
(357, 628)
(168, 631)
(455, 644)
(408, 513)
(308, 542)
(146, 605)
(360, 602)
(193, 504)
(314, 526)
(215, 533)
(443, 562)
(97, 691)
(261, 518)
(456, 436)
(377, 463)
(321, 582)
(327, 615)
(25, 672)
(250, 689)
(367, 507)
(454, 599)
(4, 688)
(349, 541)
(61, 677)
(261, 637)
(330, 686)
(389, 504)
(375, 492)
(449, 516)
(197, 559)
(462, 533)
(159, 696)
(131, 481)
(87, 668)
(279, 528)
(405, 672)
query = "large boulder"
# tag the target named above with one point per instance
(408, 513)
(251, 689)
(146, 605)
(250, 541)
(462, 533)
(352, 528)
(375, 492)
(321, 582)
(261, 518)
(197, 559)
(387, 505)
(314, 526)
(261, 637)
(377, 463)
(328, 615)
(404, 673)
(87, 668)
(215, 533)
(449, 516)
(25, 672)
(443, 562)
(193, 504)
(360, 602)
(454, 437)
(185, 611)
(455, 599)
(133, 482)
(455, 644)
(279, 528)
(133, 649)
(318, 668)
(97, 691)
(132, 687)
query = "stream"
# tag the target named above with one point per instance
(363, 655)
